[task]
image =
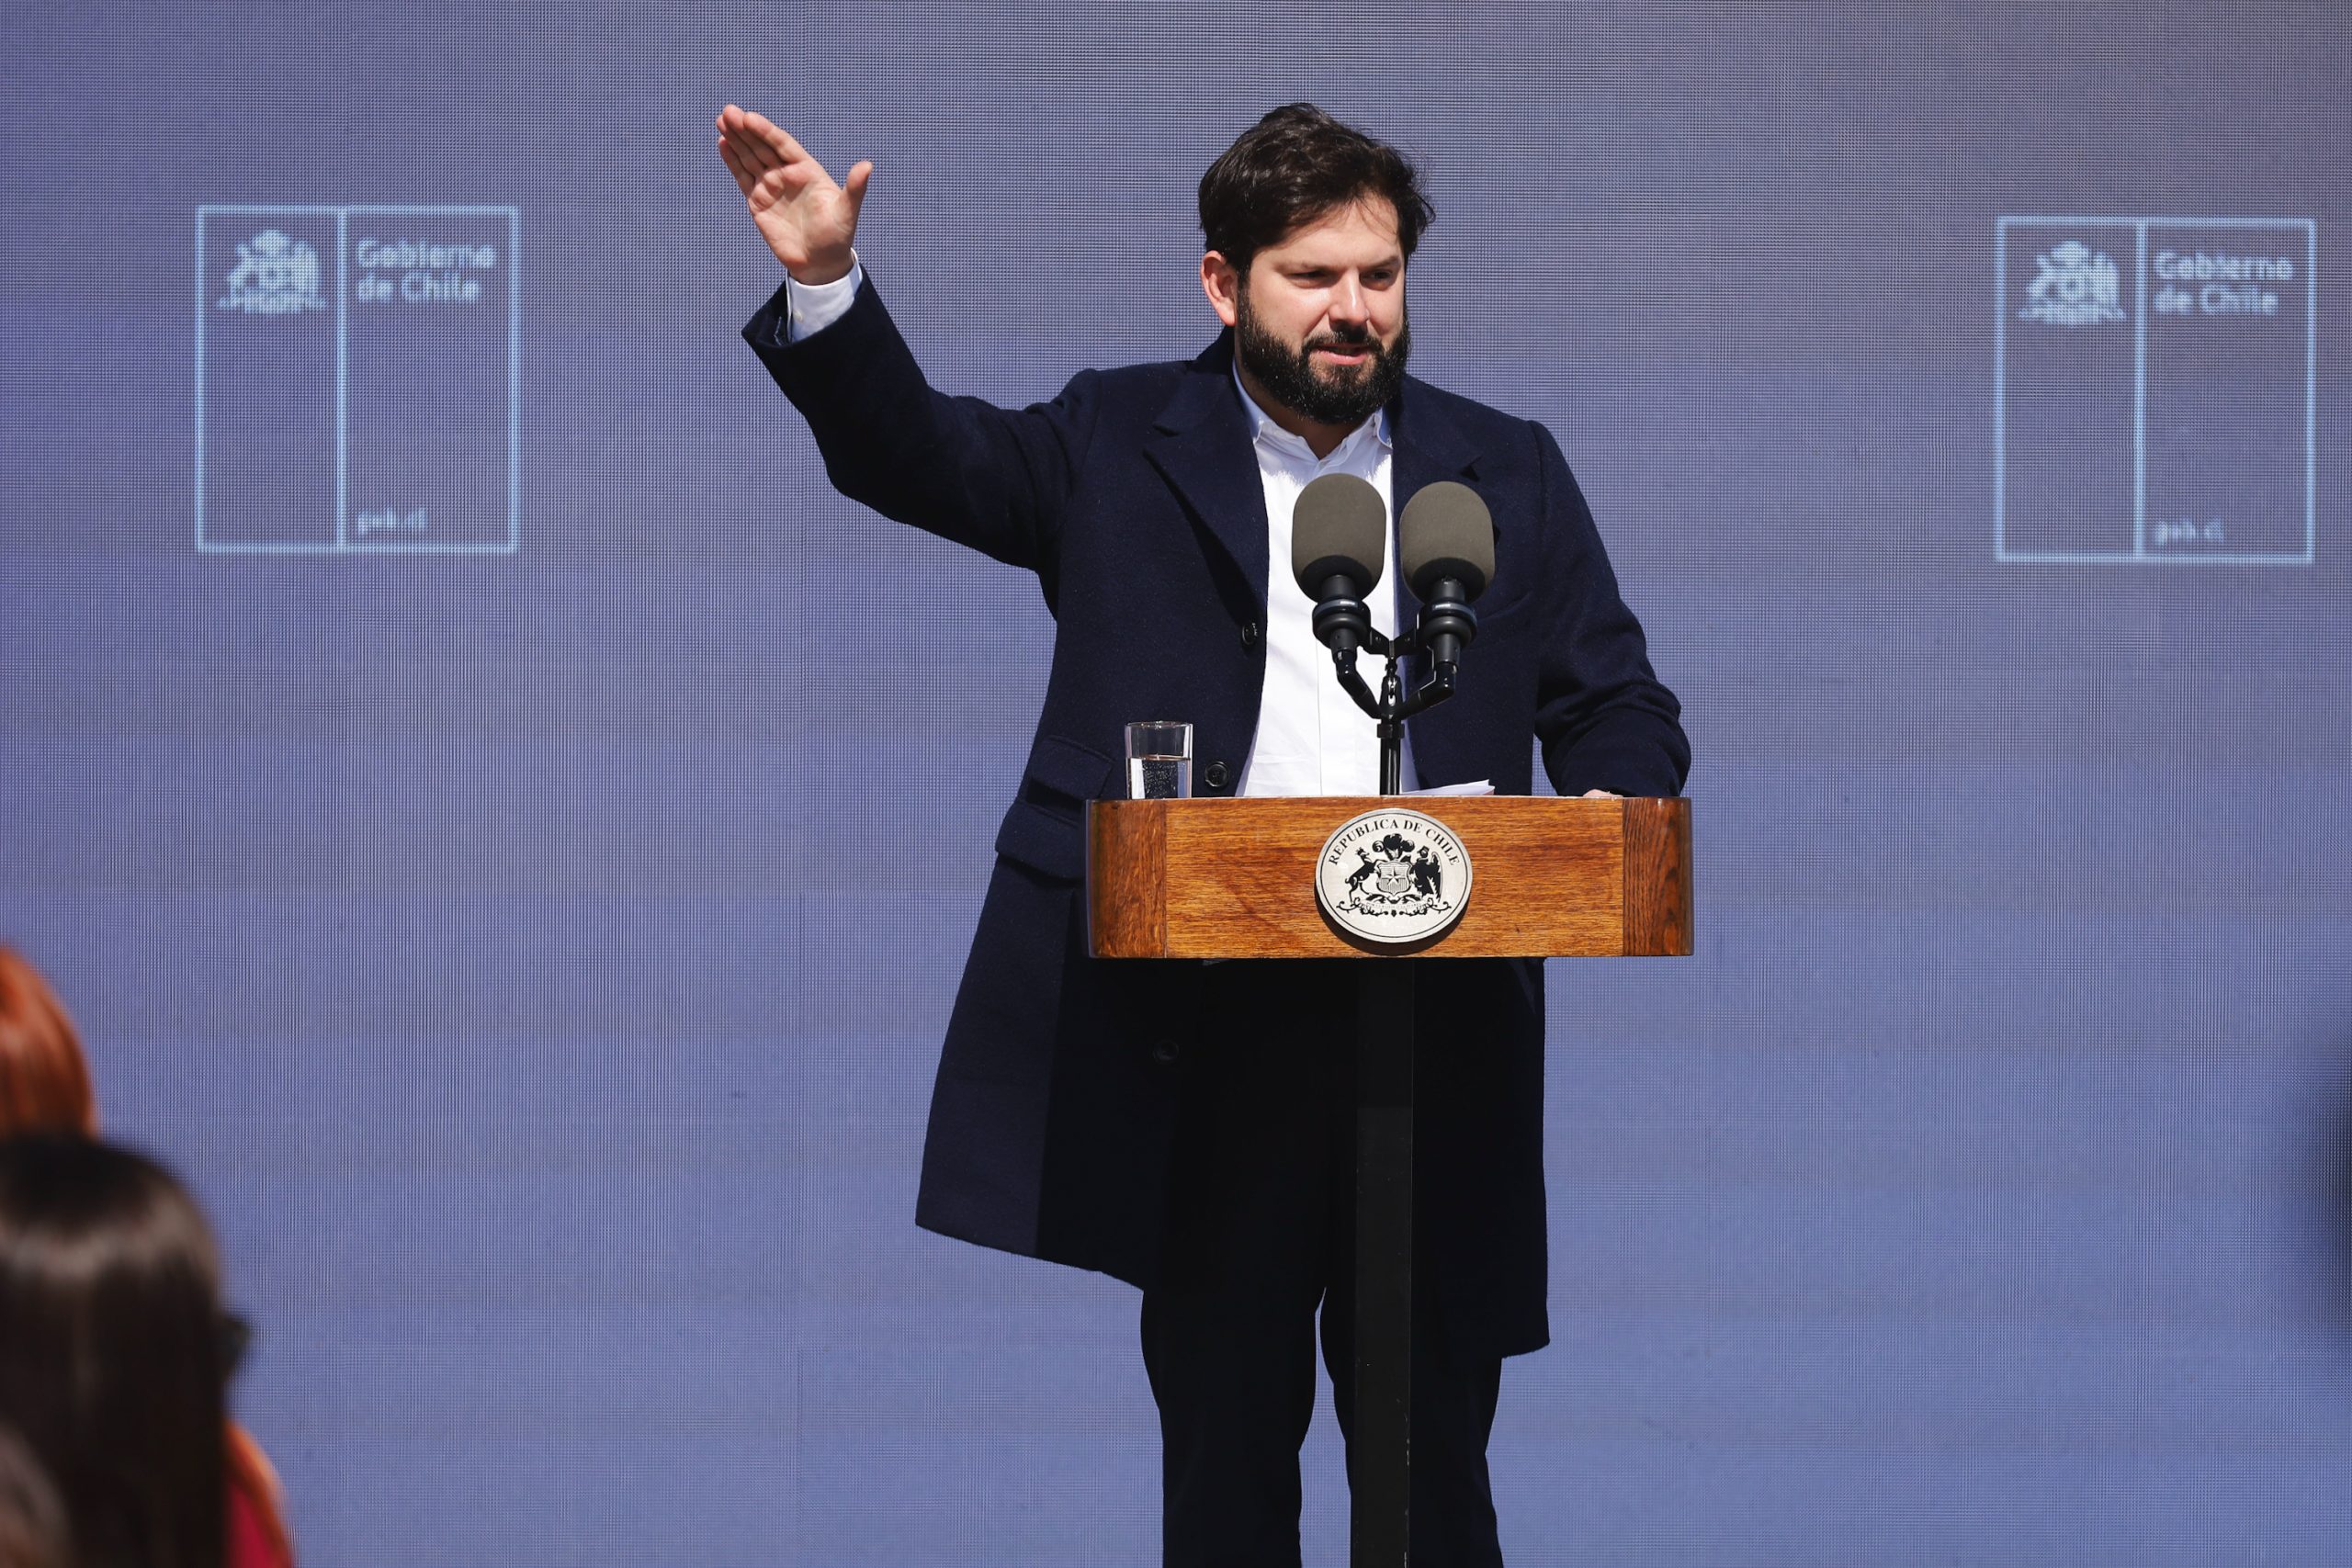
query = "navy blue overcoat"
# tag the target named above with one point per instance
(1135, 497)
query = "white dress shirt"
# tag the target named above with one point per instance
(1311, 737)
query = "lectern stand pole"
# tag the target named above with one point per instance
(1380, 1456)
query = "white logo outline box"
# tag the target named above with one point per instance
(343, 543)
(2138, 553)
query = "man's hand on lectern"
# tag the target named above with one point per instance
(806, 220)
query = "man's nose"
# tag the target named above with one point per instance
(1350, 303)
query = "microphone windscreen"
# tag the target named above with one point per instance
(1339, 529)
(1446, 530)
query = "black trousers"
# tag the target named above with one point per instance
(1260, 1234)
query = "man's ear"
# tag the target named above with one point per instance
(1221, 281)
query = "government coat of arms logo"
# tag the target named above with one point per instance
(1392, 877)
(275, 275)
(2074, 286)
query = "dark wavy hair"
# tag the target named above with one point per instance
(1293, 167)
(112, 1365)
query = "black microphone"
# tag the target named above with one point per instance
(1338, 542)
(1445, 545)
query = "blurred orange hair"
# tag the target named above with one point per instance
(44, 1082)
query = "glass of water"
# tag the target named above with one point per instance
(1160, 761)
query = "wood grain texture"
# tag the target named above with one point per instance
(1126, 879)
(1236, 878)
(1658, 877)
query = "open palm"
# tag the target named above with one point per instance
(808, 220)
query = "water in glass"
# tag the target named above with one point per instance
(1159, 778)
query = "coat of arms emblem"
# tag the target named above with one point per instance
(275, 275)
(2074, 286)
(1392, 877)
(1395, 876)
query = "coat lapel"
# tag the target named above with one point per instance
(1201, 444)
(1428, 446)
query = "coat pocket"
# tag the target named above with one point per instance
(1046, 828)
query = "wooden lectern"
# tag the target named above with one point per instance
(1237, 879)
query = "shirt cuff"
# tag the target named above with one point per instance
(810, 308)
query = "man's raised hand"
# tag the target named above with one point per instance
(806, 220)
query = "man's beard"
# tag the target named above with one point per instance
(1289, 375)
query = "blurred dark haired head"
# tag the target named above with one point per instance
(110, 1349)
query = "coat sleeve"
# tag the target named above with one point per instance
(997, 480)
(1602, 716)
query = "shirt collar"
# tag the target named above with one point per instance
(1264, 428)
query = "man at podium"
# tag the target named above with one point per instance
(1185, 1127)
